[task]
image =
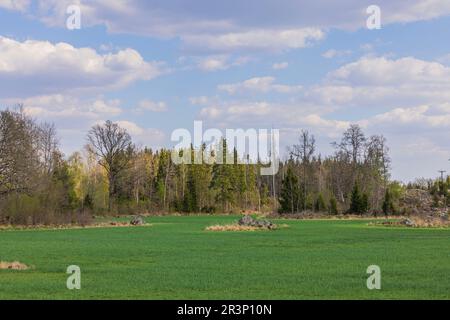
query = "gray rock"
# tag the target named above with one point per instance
(137, 221)
(246, 221)
(408, 222)
(249, 221)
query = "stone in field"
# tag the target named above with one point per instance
(246, 221)
(137, 221)
(407, 222)
(250, 222)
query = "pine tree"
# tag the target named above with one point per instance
(364, 205)
(332, 209)
(320, 205)
(355, 200)
(190, 196)
(388, 205)
(290, 193)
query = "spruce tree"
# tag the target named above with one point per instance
(332, 209)
(320, 205)
(364, 205)
(388, 205)
(355, 200)
(290, 193)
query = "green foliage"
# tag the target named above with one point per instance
(359, 202)
(290, 193)
(388, 203)
(332, 208)
(364, 203)
(142, 180)
(319, 205)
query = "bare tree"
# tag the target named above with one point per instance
(19, 161)
(377, 155)
(303, 151)
(48, 146)
(112, 145)
(352, 143)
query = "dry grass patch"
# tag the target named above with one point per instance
(112, 224)
(415, 222)
(16, 265)
(232, 227)
(237, 227)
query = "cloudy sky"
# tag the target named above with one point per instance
(154, 66)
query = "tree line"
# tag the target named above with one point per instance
(111, 175)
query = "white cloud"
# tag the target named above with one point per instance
(383, 71)
(258, 84)
(16, 5)
(379, 82)
(40, 67)
(149, 105)
(272, 40)
(201, 100)
(59, 106)
(280, 65)
(214, 63)
(143, 136)
(220, 62)
(228, 25)
(420, 117)
(332, 53)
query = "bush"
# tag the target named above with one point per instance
(320, 205)
(332, 208)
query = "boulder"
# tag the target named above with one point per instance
(407, 222)
(246, 221)
(137, 221)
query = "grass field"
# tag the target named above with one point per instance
(175, 258)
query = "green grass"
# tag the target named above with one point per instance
(176, 259)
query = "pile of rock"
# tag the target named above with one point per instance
(248, 221)
(417, 202)
(407, 222)
(137, 221)
(425, 222)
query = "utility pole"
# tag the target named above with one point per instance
(442, 174)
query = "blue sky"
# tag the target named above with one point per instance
(154, 66)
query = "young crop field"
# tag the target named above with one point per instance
(176, 258)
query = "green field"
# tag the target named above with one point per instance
(175, 258)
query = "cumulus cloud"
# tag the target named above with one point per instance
(214, 63)
(332, 53)
(271, 40)
(16, 5)
(187, 17)
(150, 137)
(226, 26)
(383, 71)
(258, 84)
(220, 62)
(280, 65)
(149, 105)
(40, 67)
(379, 82)
(58, 106)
